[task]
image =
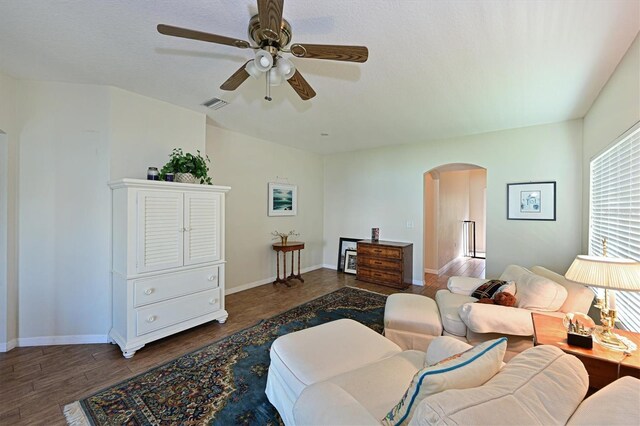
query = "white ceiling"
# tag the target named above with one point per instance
(436, 69)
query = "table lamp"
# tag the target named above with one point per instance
(611, 274)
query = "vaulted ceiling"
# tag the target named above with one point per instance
(436, 69)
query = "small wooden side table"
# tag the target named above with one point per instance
(292, 247)
(603, 365)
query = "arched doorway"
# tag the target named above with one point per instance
(455, 218)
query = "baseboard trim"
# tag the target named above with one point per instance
(243, 287)
(328, 266)
(81, 339)
(430, 271)
(7, 346)
(418, 282)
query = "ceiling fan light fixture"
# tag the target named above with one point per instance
(264, 60)
(253, 70)
(286, 68)
(275, 77)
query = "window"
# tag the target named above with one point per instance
(615, 212)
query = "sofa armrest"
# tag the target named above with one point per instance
(464, 285)
(485, 318)
(623, 394)
(326, 403)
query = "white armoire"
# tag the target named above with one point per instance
(167, 259)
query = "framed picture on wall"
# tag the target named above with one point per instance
(350, 261)
(531, 201)
(283, 199)
(344, 245)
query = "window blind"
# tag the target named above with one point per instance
(615, 213)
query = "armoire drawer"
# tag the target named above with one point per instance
(165, 314)
(168, 286)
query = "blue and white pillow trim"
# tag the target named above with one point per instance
(444, 370)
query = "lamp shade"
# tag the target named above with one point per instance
(605, 272)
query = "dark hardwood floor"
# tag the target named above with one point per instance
(36, 382)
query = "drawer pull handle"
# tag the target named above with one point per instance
(377, 250)
(213, 301)
(212, 277)
(377, 275)
(378, 263)
(151, 318)
(148, 291)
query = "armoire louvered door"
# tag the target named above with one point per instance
(202, 227)
(161, 230)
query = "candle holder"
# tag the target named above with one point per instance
(608, 317)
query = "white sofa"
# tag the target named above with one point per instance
(410, 320)
(357, 377)
(542, 385)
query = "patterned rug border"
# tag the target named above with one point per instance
(75, 412)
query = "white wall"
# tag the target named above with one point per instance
(64, 211)
(72, 139)
(453, 208)
(615, 110)
(247, 165)
(8, 214)
(384, 187)
(144, 131)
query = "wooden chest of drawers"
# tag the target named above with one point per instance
(385, 262)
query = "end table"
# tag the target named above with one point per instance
(292, 247)
(603, 365)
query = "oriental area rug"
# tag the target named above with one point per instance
(222, 383)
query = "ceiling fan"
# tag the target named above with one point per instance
(271, 35)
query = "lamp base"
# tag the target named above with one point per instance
(610, 340)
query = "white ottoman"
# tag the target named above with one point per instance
(315, 354)
(412, 321)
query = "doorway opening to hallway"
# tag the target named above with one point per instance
(455, 220)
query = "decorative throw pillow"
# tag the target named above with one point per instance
(487, 289)
(468, 369)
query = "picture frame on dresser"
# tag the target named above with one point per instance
(343, 245)
(350, 262)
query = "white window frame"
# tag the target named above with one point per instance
(623, 231)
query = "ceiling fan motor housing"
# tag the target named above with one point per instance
(260, 36)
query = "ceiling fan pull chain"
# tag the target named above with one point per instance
(267, 78)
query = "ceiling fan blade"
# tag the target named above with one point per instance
(236, 79)
(198, 35)
(270, 15)
(333, 52)
(302, 88)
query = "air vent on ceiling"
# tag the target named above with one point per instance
(215, 103)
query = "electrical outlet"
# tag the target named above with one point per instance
(410, 224)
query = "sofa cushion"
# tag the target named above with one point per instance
(379, 386)
(624, 394)
(464, 370)
(443, 347)
(533, 291)
(448, 304)
(539, 293)
(412, 313)
(482, 318)
(464, 285)
(541, 385)
(579, 297)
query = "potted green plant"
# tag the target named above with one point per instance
(188, 168)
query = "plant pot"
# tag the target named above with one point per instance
(186, 178)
